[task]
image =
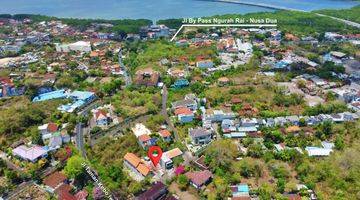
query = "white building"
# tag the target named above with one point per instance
(80, 46)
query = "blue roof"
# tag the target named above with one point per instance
(50, 95)
(81, 95)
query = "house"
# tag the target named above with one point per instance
(102, 118)
(270, 122)
(293, 129)
(140, 129)
(205, 64)
(79, 98)
(186, 103)
(228, 125)
(136, 165)
(147, 77)
(293, 120)
(247, 129)
(246, 122)
(58, 94)
(240, 190)
(184, 114)
(54, 181)
(156, 192)
(47, 130)
(146, 141)
(318, 151)
(219, 115)
(199, 178)
(281, 121)
(166, 159)
(32, 153)
(165, 135)
(143, 136)
(200, 136)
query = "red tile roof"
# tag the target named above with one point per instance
(52, 127)
(144, 138)
(183, 111)
(165, 133)
(55, 179)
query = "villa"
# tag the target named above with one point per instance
(32, 153)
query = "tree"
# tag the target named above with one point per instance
(74, 166)
(339, 142)
(220, 154)
(182, 181)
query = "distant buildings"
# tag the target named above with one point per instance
(205, 64)
(80, 46)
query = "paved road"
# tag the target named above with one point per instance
(79, 139)
(350, 23)
(128, 80)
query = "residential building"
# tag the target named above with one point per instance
(165, 135)
(186, 103)
(156, 192)
(166, 159)
(54, 181)
(184, 114)
(32, 153)
(318, 151)
(47, 130)
(199, 178)
(219, 115)
(200, 136)
(136, 165)
(147, 77)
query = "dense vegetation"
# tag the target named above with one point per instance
(290, 21)
(348, 14)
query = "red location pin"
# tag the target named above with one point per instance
(155, 154)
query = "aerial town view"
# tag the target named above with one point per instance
(179, 100)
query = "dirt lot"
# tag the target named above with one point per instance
(183, 195)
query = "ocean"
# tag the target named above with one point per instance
(153, 9)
